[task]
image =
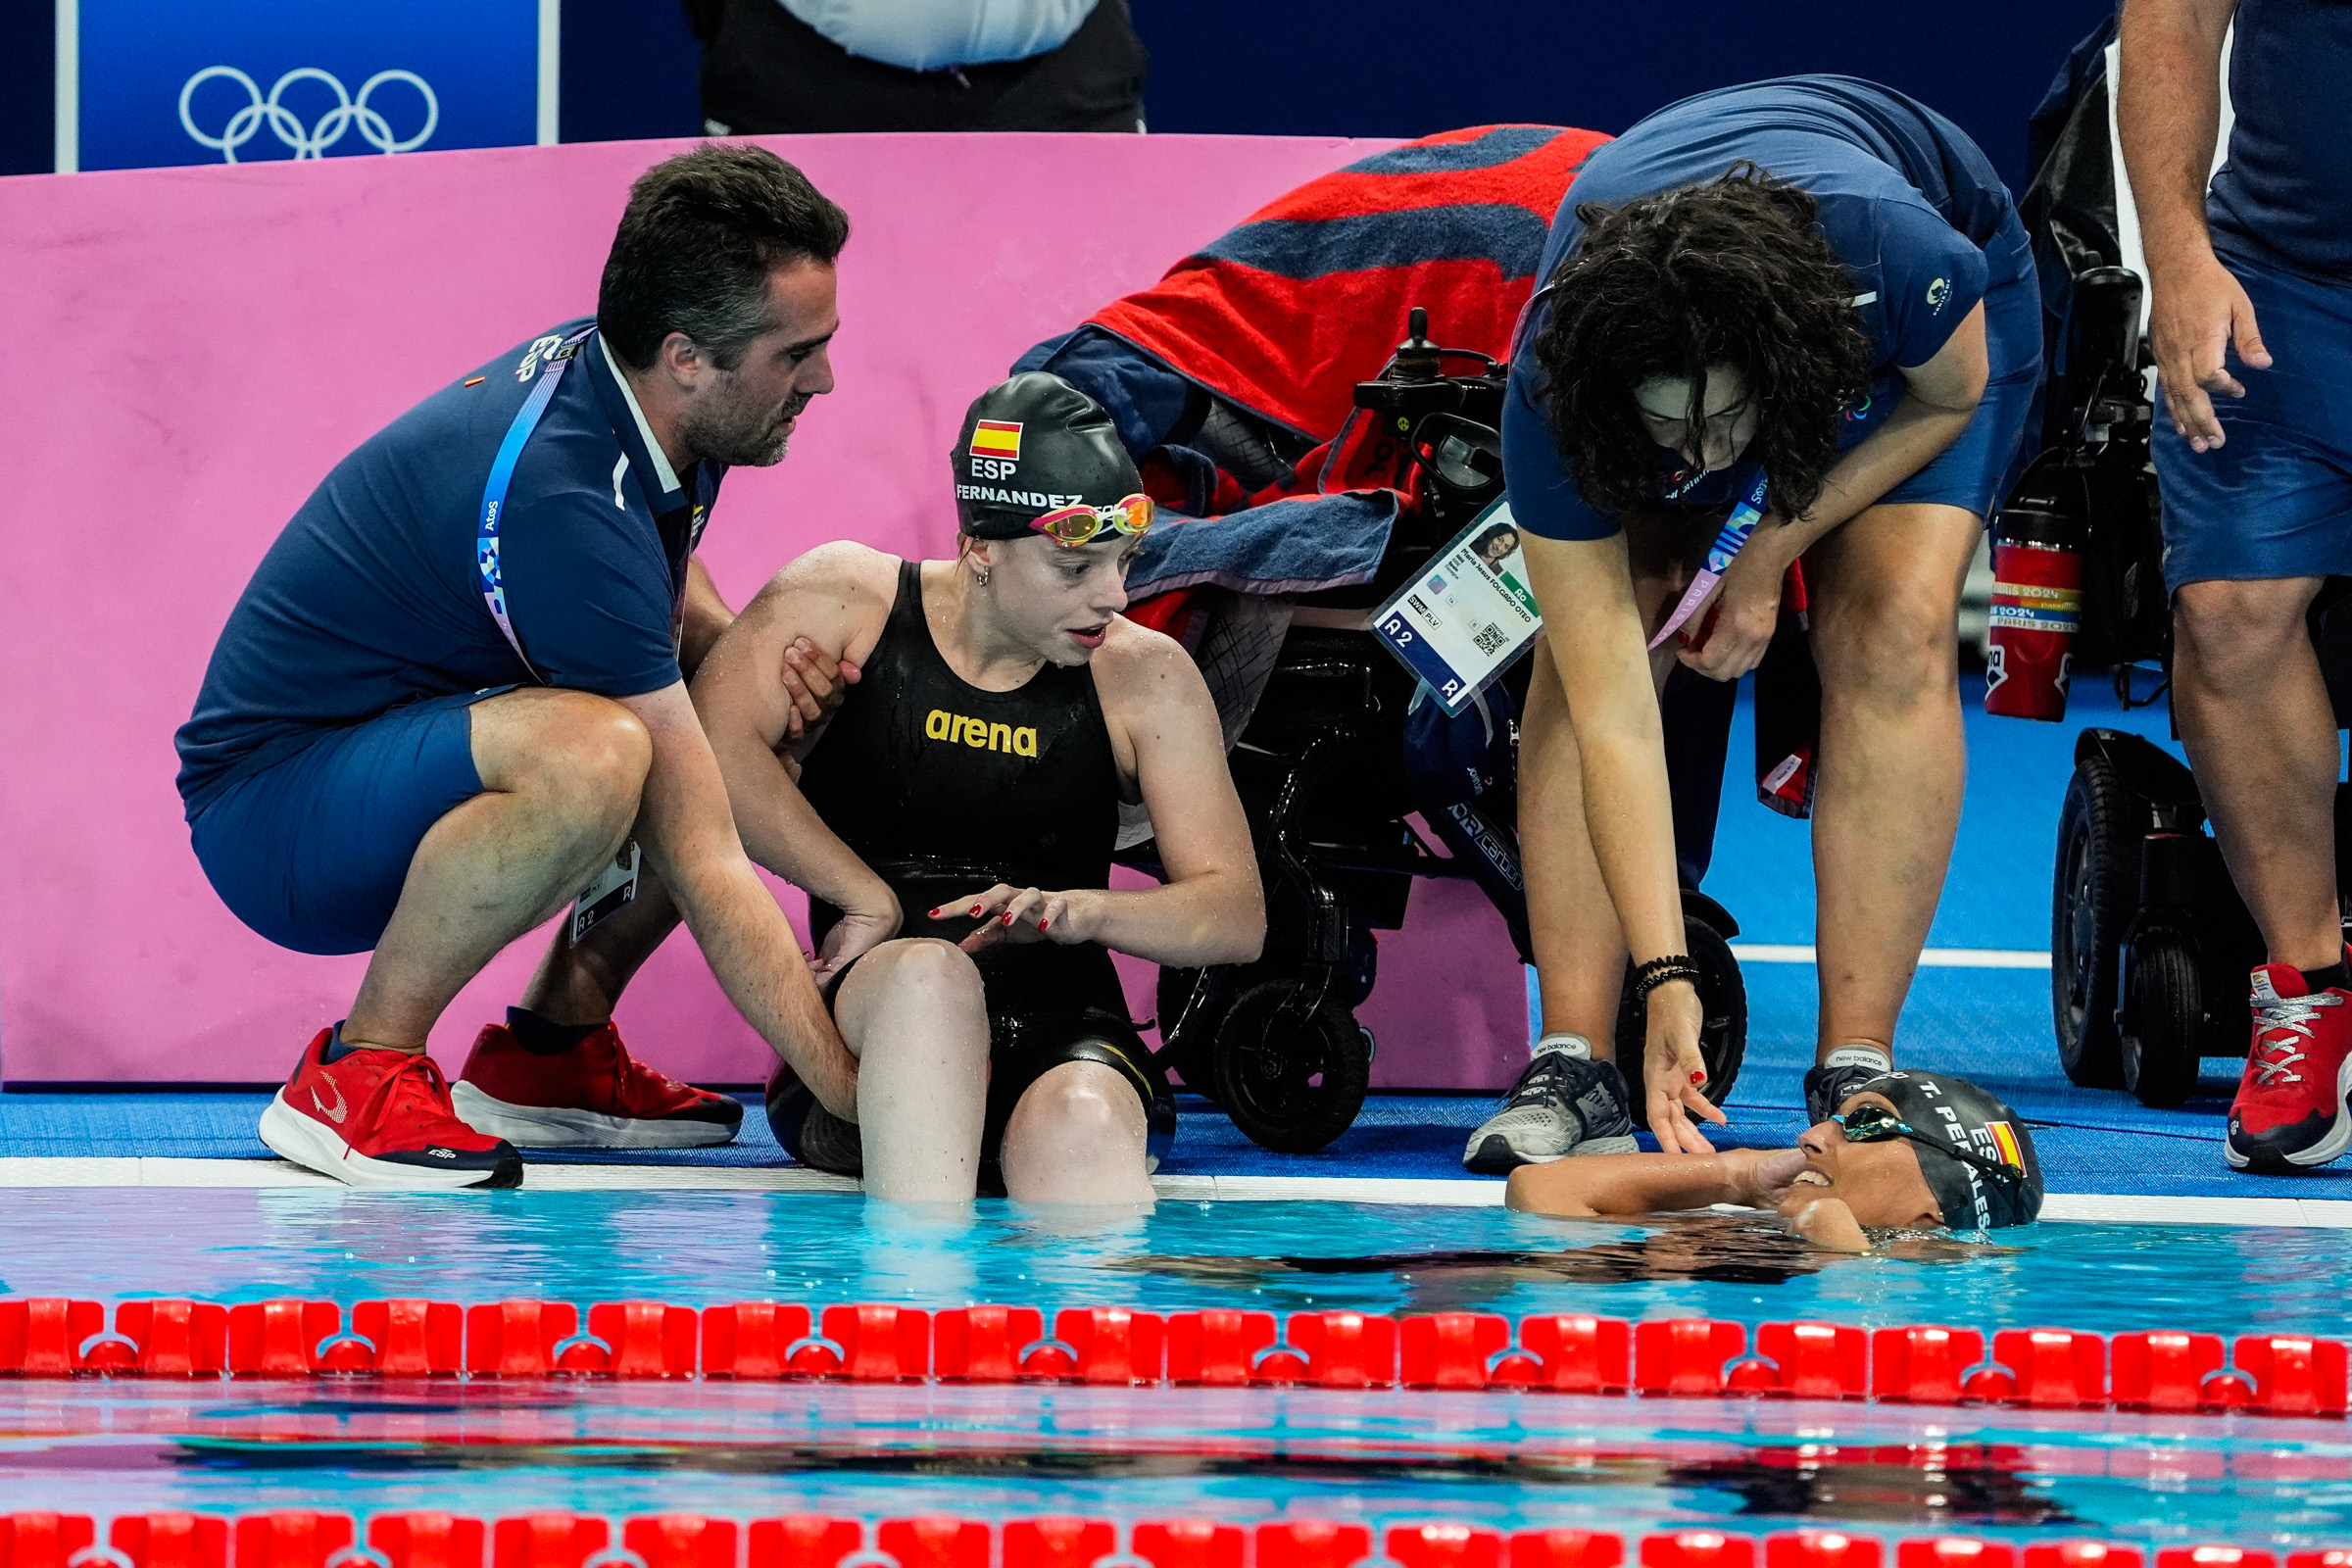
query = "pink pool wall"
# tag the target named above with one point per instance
(192, 349)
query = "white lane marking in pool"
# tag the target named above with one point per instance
(1931, 958)
(2110, 1208)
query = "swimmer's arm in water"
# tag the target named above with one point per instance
(1624, 1186)
(835, 597)
(1166, 738)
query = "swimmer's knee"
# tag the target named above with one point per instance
(1080, 1099)
(921, 972)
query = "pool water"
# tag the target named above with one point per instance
(702, 1247)
(1506, 1459)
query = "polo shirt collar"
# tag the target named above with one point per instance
(647, 460)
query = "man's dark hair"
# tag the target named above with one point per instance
(700, 235)
(1735, 271)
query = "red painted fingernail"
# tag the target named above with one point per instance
(935, 913)
(1008, 917)
(1699, 1077)
(976, 911)
(1040, 925)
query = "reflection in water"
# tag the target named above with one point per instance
(1716, 1249)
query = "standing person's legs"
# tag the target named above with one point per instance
(1886, 638)
(2250, 530)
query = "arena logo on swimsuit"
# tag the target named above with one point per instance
(955, 728)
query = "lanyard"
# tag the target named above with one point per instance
(502, 474)
(1735, 529)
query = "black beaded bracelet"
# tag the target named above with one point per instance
(1647, 977)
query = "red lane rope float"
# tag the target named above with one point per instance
(2055, 1369)
(294, 1538)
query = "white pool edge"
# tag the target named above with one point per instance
(2112, 1209)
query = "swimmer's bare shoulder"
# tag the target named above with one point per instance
(1154, 699)
(836, 595)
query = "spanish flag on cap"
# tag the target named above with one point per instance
(997, 438)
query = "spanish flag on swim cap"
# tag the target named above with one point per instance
(1940, 1105)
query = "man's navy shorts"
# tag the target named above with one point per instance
(1970, 473)
(312, 851)
(2275, 501)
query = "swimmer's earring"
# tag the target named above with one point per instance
(982, 578)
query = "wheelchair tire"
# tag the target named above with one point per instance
(1722, 1038)
(2094, 891)
(1290, 1086)
(2164, 1020)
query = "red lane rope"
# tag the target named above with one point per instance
(2168, 1371)
(290, 1538)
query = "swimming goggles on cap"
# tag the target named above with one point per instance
(1874, 1124)
(1076, 525)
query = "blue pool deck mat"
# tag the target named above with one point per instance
(1989, 1023)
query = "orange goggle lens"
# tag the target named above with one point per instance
(1077, 525)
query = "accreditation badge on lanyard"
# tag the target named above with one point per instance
(615, 886)
(1469, 613)
(1720, 555)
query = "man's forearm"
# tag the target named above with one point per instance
(757, 963)
(703, 615)
(2168, 111)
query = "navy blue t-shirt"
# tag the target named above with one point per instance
(373, 598)
(1907, 202)
(2285, 194)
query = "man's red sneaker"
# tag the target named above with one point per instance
(596, 1094)
(2289, 1113)
(382, 1118)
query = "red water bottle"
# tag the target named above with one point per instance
(2037, 607)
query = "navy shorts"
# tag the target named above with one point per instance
(312, 851)
(1971, 472)
(2275, 501)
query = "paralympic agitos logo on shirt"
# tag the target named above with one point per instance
(956, 729)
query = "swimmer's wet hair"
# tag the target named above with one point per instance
(1735, 271)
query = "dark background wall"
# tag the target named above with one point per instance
(1364, 68)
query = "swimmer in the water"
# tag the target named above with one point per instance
(1906, 1152)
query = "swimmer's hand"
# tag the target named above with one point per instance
(1674, 1074)
(1827, 1222)
(816, 685)
(1009, 914)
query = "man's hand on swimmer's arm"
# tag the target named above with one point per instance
(816, 685)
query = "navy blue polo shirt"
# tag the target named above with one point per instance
(2285, 194)
(1907, 202)
(372, 597)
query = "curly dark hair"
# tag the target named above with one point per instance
(1734, 272)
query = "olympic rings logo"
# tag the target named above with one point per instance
(308, 141)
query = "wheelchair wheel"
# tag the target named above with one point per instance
(2093, 896)
(1722, 1038)
(2164, 1020)
(1289, 1084)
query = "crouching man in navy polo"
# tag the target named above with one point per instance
(454, 695)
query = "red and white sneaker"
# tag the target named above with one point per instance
(2289, 1113)
(595, 1095)
(382, 1118)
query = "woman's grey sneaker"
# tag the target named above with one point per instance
(1563, 1104)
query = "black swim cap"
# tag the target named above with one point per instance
(1033, 445)
(1940, 1106)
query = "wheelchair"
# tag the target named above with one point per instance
(2150, 944)
(1339, 757)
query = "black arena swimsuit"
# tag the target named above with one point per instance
(945, 790)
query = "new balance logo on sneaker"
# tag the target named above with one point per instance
(382, 1118)
(1563, 1104)
(2289, 1113)
(595, 1095)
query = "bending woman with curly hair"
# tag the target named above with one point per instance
(1813, 294)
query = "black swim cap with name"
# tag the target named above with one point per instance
(1032, 445)
(1938, 1106)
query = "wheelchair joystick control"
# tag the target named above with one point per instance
(2037, 607)
(1418, 357)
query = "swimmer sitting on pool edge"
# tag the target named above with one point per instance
(1906, 1151)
